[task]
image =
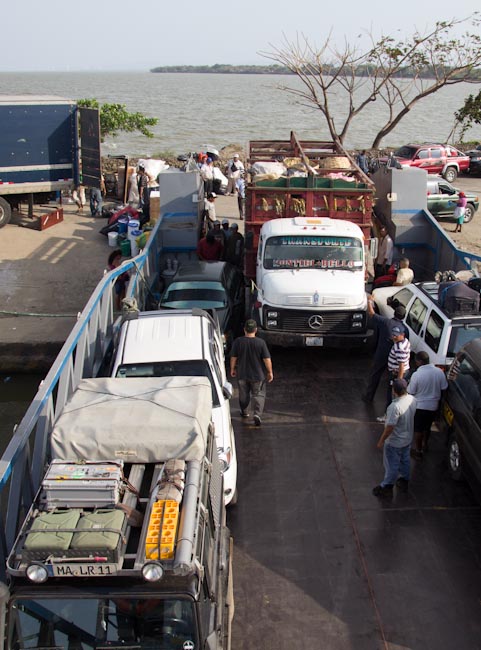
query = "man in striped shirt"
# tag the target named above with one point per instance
(397, 361)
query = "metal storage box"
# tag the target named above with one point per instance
(81, 485)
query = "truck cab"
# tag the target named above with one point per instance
(128, 549)
(310, 275)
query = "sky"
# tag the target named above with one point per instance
(55, 35)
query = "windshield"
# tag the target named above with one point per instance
(462, 334)
(405, 152)
(82, 624)
(191, 368)
(186, 295)
(313, 252)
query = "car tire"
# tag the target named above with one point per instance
(454, 459)
(450, 174)
(469, 213)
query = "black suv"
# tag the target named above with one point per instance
(461, 415)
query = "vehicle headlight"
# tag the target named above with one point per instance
(37, 573)
(357, 316)
(152, 572)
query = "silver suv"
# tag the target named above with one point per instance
(430, 327)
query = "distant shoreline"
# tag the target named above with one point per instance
(224, 68)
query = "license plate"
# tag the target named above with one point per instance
(81, 570)
(314, 341)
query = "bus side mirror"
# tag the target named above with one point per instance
(373, 247)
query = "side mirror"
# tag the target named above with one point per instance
(227, 390)
(374, 247)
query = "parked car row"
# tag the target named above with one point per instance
(436, 158)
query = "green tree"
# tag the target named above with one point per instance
(115, 118)
(469, 114)
(397, 73)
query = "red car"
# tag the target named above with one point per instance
(434, 158)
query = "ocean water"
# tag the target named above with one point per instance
(198, 109)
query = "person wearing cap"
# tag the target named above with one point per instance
(460, 210)
(382, 326)
(234, 247)
(219, 234)
(251, 363)
(426, 384)
(396, 439)
(209, 209)
(226, 229)
(207, 173)
(397, 362)
(234, 170)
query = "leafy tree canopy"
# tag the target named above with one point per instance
(115, 118)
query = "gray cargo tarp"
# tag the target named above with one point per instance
(135, 419)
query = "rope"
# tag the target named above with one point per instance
(4, 312)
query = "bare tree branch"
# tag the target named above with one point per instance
(397, 73)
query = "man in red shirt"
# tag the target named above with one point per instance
(209, 248)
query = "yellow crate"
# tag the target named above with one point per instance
(165, 516)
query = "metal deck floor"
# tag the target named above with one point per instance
(321, 563)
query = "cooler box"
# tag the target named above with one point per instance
(81, 485)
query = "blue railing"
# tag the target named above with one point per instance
(83, 354)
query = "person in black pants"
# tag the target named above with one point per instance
(384, 326)
(250, 362)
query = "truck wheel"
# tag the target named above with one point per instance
(5, 212)
(451, 174)
(469, 212)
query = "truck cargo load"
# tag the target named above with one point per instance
(308, 243)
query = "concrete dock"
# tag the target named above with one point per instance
(46, 278)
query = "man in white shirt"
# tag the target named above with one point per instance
(426, 385)
(207, 173)
(234, 169)
(209, 209)
(405, 275)
(384, 255)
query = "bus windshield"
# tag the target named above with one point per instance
(313, 252)
(101, 623)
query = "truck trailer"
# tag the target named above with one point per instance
(308, 241)
(125, 544)
(47, 145)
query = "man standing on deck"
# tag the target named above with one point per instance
(250, 362)
(395, 441)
